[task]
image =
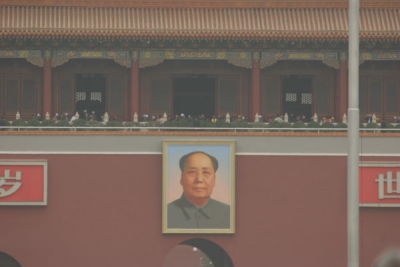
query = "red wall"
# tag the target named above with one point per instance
(105, 210)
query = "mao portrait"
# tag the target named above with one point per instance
(198, 187)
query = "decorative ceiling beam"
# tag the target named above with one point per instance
(33, 56)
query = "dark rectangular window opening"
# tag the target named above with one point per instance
(297, 96)
(194, 95)
(90, 94)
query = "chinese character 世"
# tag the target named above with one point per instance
(8, 184)
(388, 187)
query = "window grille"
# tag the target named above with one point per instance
(95, 96)
(80, 96)
(306, 98)
(291, 97)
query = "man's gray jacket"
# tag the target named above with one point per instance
(184, 215)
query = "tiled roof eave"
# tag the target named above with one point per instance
(197, 23)
(128, 34)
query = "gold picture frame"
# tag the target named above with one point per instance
(199, 187)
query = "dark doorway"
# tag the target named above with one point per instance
(217, 255)
(297, 96)
(90, 94)
(8, 261)
(194, 95)
(198, 252)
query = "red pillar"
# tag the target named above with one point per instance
(134, 92)
(46, 103)
(255, 90)
(342, 90)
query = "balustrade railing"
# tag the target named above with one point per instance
(190, 129)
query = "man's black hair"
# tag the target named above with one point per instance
(184, 158)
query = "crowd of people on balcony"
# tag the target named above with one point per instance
(227, 118)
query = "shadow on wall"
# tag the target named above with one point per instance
(197, 252)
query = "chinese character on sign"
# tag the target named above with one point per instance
(388, 187)
(10, 184)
